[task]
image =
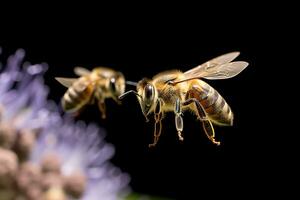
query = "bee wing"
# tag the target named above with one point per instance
(224, 71)
(220, 60)
(218, 68)
(80, 71)
(67, 82)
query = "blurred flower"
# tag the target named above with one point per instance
(43, 155)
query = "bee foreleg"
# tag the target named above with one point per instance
(207, 125)
(158, 114)
(178, 119)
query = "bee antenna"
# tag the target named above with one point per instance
(129, 92)
(131, 83)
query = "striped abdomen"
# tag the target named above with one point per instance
(214, 104)
(78, 95)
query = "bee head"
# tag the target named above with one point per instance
(147, 95)
(117, 85)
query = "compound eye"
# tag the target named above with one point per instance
(148, 94)
(112, 85)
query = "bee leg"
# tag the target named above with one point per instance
(158, 114)
(101, 103)
(102, 108)
(178, 119)
(207, 125)
(92, 99)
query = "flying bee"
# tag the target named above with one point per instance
(174, 91)
(91, 86)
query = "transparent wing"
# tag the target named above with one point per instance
(224, 71)
(67, 82)
(217, 68)
(80, 71)
(226, 58)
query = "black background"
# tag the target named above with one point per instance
(142, 47)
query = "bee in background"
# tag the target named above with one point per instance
(174, 91)
(92, 86)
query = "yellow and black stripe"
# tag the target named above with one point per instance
(77, 95)
(214, 104)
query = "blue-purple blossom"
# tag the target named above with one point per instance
(56, 157)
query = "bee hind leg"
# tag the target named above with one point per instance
(158, 115)
(206, 123)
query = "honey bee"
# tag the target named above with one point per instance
(175, 91)
(91, 86)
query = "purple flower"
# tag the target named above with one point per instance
(23, 95)
(57, 158)
(80, 149)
